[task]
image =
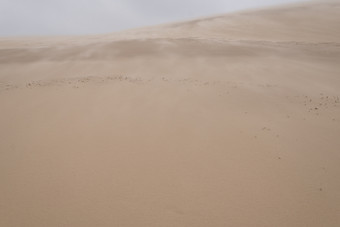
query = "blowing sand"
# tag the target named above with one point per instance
(231, 120)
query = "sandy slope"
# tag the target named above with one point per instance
(227, 121)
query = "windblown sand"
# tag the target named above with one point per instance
(231, 120)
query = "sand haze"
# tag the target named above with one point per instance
(232, 120)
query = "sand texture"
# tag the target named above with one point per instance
(231, 120)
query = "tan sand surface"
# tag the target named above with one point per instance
(232, 120)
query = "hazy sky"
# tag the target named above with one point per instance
(60, 17)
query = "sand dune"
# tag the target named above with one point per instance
(232, 120)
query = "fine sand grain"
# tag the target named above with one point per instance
(232, 120)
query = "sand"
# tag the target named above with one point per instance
(231, 120)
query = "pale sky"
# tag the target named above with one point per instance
(72, 17)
